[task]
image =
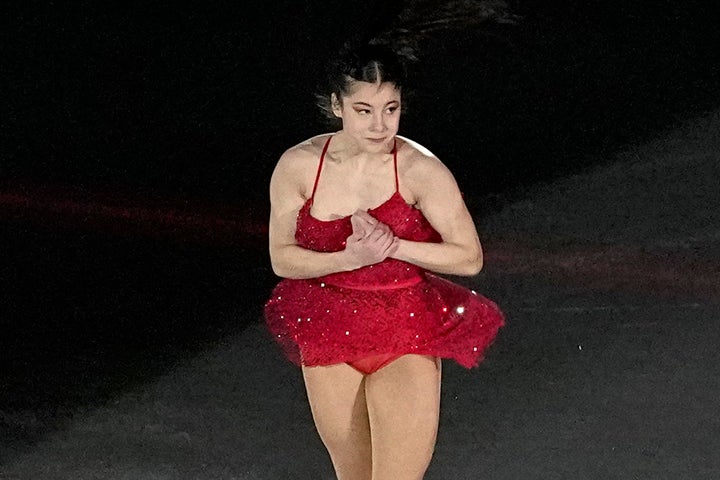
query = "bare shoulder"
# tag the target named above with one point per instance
(298, 164)
(419, 167)
(299, 155)
(429, 185)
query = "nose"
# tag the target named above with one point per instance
(378, 122)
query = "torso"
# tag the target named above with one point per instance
(329, 234)
(348, 181)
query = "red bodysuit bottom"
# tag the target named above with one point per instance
(373, 363)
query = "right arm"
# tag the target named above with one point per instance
(367, 245)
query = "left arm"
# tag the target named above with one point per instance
(437, 194)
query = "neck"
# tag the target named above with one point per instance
(344, 147)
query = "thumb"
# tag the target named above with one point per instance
(358, 226)
(365, 216)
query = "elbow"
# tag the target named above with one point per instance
(473, 265)
(283, 270)
(279, 268)
(278, 271)
(287, 270)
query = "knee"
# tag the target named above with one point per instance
(339, 439)
(350, 454)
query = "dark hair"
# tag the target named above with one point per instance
(393, 39)
(368, 62)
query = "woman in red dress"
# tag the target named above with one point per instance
(363, 224)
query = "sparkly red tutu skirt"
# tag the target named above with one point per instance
(317, 323)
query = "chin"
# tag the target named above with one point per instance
(377, 146)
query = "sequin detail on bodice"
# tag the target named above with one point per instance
(404, 220)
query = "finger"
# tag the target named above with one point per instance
(358, 226)
(393, 247)
(364, 215)
(364, 218)
(385, 244)
(378, 234)
(392, 240)
(383, 227)
(355, 221)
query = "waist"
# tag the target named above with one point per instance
(387, 275)
(406, 282)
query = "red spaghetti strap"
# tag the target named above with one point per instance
(322, 159)
(397, 181)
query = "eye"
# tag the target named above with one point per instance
(391, 110)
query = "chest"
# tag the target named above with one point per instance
(329, 235)
(342, 191)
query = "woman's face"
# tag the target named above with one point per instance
(371, 114)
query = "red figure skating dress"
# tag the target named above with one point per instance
(370, 316)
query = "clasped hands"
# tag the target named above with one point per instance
(371, 241)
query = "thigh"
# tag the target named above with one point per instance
(337, 400)
(404, 406)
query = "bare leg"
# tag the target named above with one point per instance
(337, 401)
(403, 400)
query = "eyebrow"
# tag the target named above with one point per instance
(365, 104)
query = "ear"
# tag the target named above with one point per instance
(336, 105)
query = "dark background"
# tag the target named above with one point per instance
(179, 105)
(199, 100)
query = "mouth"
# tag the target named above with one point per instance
(376, 140)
